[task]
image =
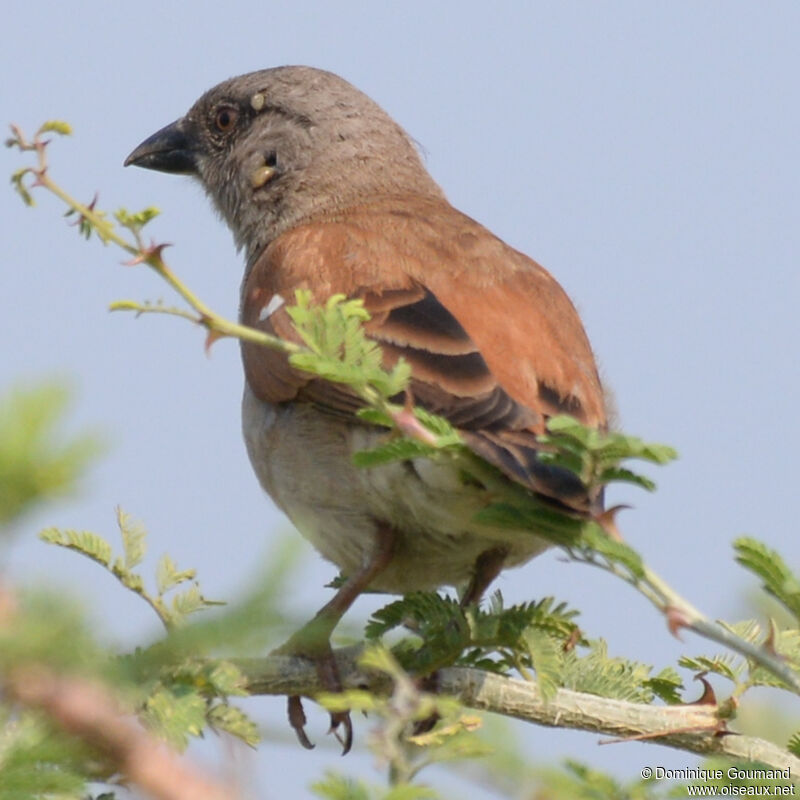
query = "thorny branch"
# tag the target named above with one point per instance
(694, 728)
(476, 689)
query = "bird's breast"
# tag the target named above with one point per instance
(303, 459)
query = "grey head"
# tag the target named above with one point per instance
(280, 146)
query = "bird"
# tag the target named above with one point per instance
(323, 191)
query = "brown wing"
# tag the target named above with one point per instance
(494, 343)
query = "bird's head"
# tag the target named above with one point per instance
(280, 146)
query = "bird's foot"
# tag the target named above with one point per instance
(312, 642)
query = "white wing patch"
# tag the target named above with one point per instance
(270, 308)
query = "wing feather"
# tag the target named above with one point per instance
(494, 343)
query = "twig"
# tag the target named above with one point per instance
(693, 728)
(678, 612)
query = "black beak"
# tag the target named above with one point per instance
(168, 150)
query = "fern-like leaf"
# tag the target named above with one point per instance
(546, 656)
(134, 539)
(396, 449)
(168, 576)
(234, 721)
(724, 665)
(793, 745)
(175, 717)
(600, 674)
(85, 542)
(666, 685)
(767, 564)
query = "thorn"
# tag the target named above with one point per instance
(410, 426)
(718, 730)
(722, 730)
(771, 638)
(297, 719)
(607, 520)
(146, 254)
(708, 698)
(212, 337)
(81, 220)
(155, 250)
(676, 619)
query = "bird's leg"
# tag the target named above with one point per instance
(312, 641)
(488, 566)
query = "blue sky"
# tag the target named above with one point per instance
(645, 153)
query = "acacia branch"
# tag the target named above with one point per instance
(693, 728)
(678, 612)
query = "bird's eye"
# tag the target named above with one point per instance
(225, 118)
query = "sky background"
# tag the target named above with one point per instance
(645, 153)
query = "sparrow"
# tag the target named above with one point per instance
(324, 191)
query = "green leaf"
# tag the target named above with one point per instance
(778, 580)
(340, 351)
(349, 700)
(234, 721)
(546, 656)
(622, 475)
(600, 674)
(53, 630)
(396, 449)
(596, 456)
(84, 542)
(724, 665)
(227, 679)
(535, 517)
(175, 717)
(568, 426)
(375, 417)
(613, 551)
(36, 464)
(188, 602)
(437, 425)
(438, 621)
(55, 126)
(169, 576)
(37, 762)
(408, 791)
(666, 685)
(576, 781)
(134, 539)
(136, 220)
(18, 181)
(499, 636)
(338, 787)
(793, 746)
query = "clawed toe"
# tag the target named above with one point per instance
(297, 719)
(321, 655)
(342, 728)
(341, 725)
